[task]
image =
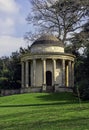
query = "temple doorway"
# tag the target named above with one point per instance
(49, 81)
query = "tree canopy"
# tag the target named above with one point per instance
(61, 17)
(10, 72)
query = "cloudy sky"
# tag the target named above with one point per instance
(13, 25)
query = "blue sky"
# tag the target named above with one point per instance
(13, 25)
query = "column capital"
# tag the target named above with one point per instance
(43, 59)
(69, 62)
(63, 60)
(54, 59)
(22, 62)
(33, 59)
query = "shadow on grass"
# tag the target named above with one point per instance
(33, 105)
(51, 99)
(60, 97)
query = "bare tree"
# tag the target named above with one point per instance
(60, 17)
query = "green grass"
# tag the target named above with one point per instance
(43, 111)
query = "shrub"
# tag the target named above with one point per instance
(4, 82)
(15, 85)
(83, 87)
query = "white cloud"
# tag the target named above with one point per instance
(9, 11)
(12, 23)
(11, 17)
(9, 6)
(10, 44)
(7, 26)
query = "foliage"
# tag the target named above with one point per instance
(24, 50)
(62, 17)
(15, 67)
(83, 87)
(82, 77)
(82, 63)
(10, 72)
(3, 82)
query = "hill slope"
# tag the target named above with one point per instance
(43, 111)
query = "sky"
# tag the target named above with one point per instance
(13, 25)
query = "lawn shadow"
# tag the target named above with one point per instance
(60, 97)
(49, 99)
(35, 105)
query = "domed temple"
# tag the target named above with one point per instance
(47, 68)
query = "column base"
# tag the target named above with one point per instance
(56, 86)
(44, 87)
(22, 86)
(27, 85)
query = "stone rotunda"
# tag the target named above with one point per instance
(46, 67)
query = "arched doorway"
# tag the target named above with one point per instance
(48, 78)
(49, 87)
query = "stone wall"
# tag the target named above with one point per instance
(9, 92)
(20, 91)
(63, 89)
(34, 90)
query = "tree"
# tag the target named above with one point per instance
(15, 70)
(10, 72)
(82, 63)
(59, 17)
(4, 72)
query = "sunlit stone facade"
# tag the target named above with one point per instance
(47, 67)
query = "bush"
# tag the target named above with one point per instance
(83, 87)
(15, 85)
(4, 82)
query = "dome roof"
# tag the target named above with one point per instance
(48, 39)
(47, 44)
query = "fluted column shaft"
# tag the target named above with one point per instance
(54, 71)
(67, 75)
(22, 75)
(44, 74)
(63, 72)
(44, 71)
(70, 74)
(34, 72)
(27, 74)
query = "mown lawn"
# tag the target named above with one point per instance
(43, 111)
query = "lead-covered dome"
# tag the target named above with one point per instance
(47, 43)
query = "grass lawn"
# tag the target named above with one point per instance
(43, 111)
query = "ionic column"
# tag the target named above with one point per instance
(63, 72)
(34, 72)
(70, 73)
(22, 75)
(27, 74)
(44, 74)
(54, 71)
(67, 75)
